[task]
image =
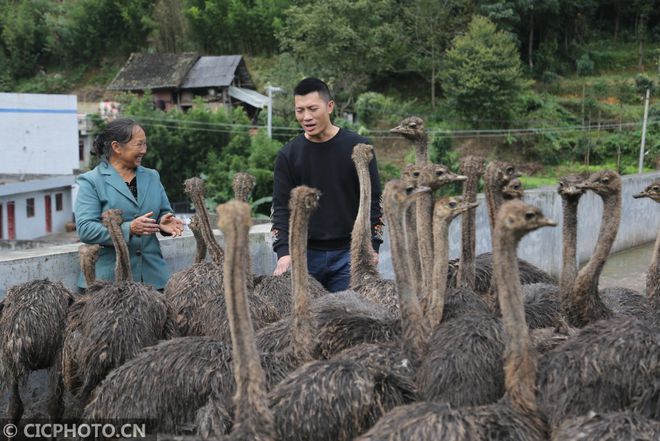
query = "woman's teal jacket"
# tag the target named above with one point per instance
(102, 189)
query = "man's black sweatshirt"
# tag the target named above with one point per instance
(328, 167)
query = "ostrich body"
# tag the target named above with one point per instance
(516, 416)
(343, 392)
(653, 275)
(114, 323)
(473, 168)
(612, 426)
(31, 335)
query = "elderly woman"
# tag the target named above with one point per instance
(120, 181)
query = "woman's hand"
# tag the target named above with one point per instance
(144, 225)
(171, 224)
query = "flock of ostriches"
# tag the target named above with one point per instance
(485, 347)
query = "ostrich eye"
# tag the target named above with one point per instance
(452, 204)
(509, 171)
(409, 190)
(656, 188)
(516, 187)
(605, 180)
(413, 125)
(561, 184)
(416, 174)
(439, 173)
(530, 215)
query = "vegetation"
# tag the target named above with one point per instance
(552, 84)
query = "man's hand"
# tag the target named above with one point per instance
(283, 265)
(144, 225)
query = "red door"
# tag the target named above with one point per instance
(1, 224)
(11, 221)
(49, 214)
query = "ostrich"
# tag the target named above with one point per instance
(497, 175)
(188, 289)
(653, 275)
(611, 426)
(444, 212)
(414, 130)
(342, 391)
(473, 168)
(587, 304)
(513, 190)
(253, 419)
(115, 323)
(31, 335)
(612, 363)
(515, 416)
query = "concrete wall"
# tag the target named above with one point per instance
(640, 222)
(39, 133)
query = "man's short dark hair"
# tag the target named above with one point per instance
(310, 85)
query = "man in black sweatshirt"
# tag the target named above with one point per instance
(321, 158)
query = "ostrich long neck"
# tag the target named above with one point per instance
(200, 248)
(250, 400)
(412, 320)
(569, 249)
(653, 277)
(421, 149)
(494, 200)
(436, 303)
(424, 210)
(88, 265)
(217, 254)
(303, 326)
(519, 363)
(411, 242)
(123, 264)
(587, 301)
(467, 266)
(362, 269)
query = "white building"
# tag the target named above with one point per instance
(40, 151)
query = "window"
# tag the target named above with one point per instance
(30, 207)
(81, 147)
(58, 202)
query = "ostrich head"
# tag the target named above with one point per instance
(305, 197)
(193, 186)
(513, 190)
(411, 128)
(568, 186)
(437, 175)
(500, 173)
(603, 183)
(411, 173)
(652, 191)
(450, 207)
(112, 217)
(472, 165)
(520, 218)
(363, 154)
(242, 184)
(398, 195)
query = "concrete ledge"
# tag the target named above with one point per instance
(640, 221)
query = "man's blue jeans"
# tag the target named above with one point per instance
(332, 268)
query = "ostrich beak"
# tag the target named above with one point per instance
(459, 178)
(398, 130)
(640, 195)
(545, 222)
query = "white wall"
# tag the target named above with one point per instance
(32, 227)
(39, 134)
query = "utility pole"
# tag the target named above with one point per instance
(646, 116)
(270, 90)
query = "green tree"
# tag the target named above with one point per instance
(24, 35)
(432, 25)
(482, 74)
(345, 41)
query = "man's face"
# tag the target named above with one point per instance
(313, 113)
